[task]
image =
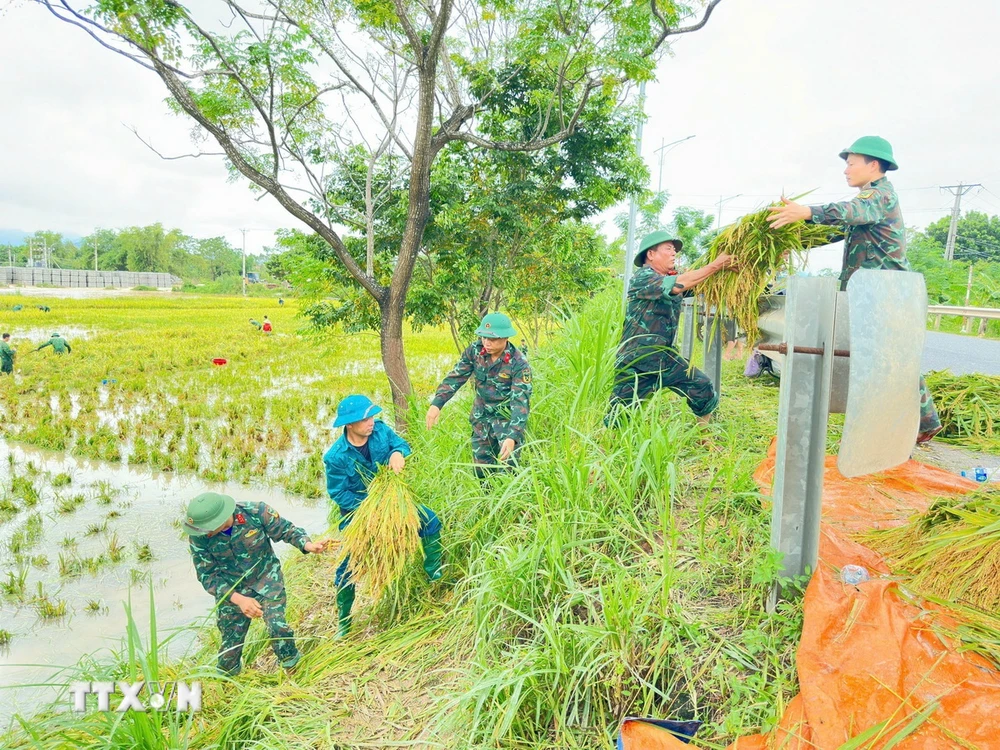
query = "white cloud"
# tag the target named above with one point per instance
(772, 90)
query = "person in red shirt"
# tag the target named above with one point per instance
(267, 325)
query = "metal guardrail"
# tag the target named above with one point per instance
(983, 314)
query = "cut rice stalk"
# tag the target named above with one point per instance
(382, 537)
(760, 252)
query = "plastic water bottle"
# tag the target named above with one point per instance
(854, 574)
(982, 474)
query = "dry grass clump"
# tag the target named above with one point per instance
(382, 537)
(969, 407)
(951, 552)
(760, 252)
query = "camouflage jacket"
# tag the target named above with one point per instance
(7, 353)
(245, 561)
(503, 388)
(651, 317)
(874, 234)
(59, 344)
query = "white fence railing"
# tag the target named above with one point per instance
(983, 314)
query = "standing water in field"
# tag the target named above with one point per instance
(75, 536)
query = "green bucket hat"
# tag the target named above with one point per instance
(496, 326)
(873, 146)
(652, 240)
(207, 512)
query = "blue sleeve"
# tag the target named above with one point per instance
(338, 485)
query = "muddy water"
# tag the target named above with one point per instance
(149, 504)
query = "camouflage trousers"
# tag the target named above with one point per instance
(430, 525)
(929, 420)
(641, 379)
(233, 626)
(487, 435)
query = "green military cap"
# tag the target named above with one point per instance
(652, 240)
(55, 335)
(873, 146)
(207, 512)
(496, 326)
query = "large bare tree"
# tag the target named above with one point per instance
(287, 87)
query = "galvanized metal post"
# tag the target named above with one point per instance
(687, 327)
(803, 412)
(713, 347)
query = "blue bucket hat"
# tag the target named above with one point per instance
(354, 409)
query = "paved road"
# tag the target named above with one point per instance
(961, 354)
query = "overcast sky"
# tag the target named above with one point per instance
(772, 91)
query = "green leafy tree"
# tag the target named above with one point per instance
(286, 87)
(977, 236)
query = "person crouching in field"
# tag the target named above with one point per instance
(58, 343)
(351, 462)
(7, 354)
(230, 544)
(503, 394)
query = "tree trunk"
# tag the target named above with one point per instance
(394, 359)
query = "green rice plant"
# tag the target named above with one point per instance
(381, 539)
(50, 610)
(24, 489)
(94, 607)
(71, 504)
(112, 515)
(105, 492)
(27, 536)
(5, 638)
(40, 561)
(96, 528)
(69, 566)
(61, 480)
(143, 552)
(969, 408)
(760, 252)
(68, 542)
(15, 586)
(115, 549)
(8, 509)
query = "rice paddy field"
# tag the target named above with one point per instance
(614, 573)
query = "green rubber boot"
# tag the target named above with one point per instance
(345, 600)
(432, 556)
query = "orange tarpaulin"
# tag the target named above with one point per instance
(867, 655)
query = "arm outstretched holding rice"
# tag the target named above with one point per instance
(503, 394)
(233, 558)
(350, 463)
(647, 360)
(874, 232)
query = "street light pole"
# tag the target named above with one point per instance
(663, 150)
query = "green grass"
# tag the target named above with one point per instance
(616, 572)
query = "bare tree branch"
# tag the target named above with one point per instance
(150, 146)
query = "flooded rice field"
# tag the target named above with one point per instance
(77, 536)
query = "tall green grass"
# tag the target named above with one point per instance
(615, 572)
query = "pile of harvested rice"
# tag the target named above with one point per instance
(969, 407)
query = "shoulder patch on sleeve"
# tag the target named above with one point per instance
(867, 194)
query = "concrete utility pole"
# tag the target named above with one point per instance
(633, 206)
(718, 218)
(244, 262)
(959, 190)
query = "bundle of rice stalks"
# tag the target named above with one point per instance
(951, 552)
(760, 252)
(382, 536)
(969, 408)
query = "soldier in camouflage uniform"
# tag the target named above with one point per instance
(231, 546)
(58, 343)
(7, 353)
(874, 233)
(647, 360)
(503, 392)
